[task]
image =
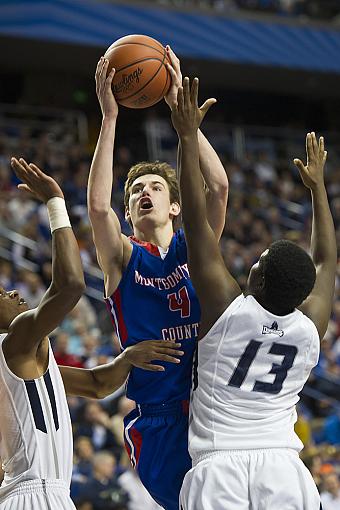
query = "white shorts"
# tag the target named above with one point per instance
(272, 479)
(34, 495)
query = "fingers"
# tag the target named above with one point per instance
(186, 91)
(325, 157)
(298, 163)
(150, 367)
(309, 146)
(168, 350)
(312, 147)
(99, 66)
(26, 188)
(102, 78)
(110, 77)
(180, 99)
(164, 357)
(171, 71)
(19, 168)
(175, 62)
(321, 146)
(194, 92)
(207, 105)
(164, 343)
(315, 144)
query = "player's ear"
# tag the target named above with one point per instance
(128, 216)
(175, 209)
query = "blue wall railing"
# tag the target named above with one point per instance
(191, 35)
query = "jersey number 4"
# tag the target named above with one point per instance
(179, 301)
(280, 370)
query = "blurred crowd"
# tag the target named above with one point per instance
(267, 201)
(315, 9)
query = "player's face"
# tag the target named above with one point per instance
(11, 305)
(255, 278)
(149, 203)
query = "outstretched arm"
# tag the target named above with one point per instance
(99, 382)
(215, 286)
(29, 328)
(318, 305)
(110, 244)
(213, 172)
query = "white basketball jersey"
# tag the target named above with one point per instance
(251, 367)
(35, 427)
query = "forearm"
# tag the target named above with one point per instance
(67, 271)
(191, 183)
(211, 167)
(323, 240)
(101, 172)
(111, 376)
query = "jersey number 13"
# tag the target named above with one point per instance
(280, 370)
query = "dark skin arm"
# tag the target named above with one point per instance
(215, 286)
(318, 305)
(211, 168)
(101, 381)
(28, 329)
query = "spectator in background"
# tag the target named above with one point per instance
(84, 452)
(330, 495)
(139, 498)
(124, 407)
(6, 275)
(31, 288)
(103, 491)
(61, 352)
(96, 426)
(331, 429)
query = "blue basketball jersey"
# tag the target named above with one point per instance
(156, 300)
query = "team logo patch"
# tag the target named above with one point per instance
(273, 329)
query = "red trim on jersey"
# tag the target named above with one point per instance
(136, 438)
(128, 449)
(151, 248)
(123, 334)
(108, 306)
(185, 407)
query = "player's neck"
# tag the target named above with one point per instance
(160, 236)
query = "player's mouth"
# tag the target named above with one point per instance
(145, 204)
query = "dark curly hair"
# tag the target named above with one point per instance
(289, 275)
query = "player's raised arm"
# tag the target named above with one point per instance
(215, 286)
(211, 167)
(109, 241)
(101, 381)
(67, 286)
(318, 305)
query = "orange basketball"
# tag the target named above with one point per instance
(141, 78)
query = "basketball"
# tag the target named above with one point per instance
(141, 78)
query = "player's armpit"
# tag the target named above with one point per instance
(215, 286)
(113, 248)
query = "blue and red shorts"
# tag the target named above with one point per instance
(156, 439)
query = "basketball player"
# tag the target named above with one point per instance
(148, 290)
(256, 349)
(35, 427)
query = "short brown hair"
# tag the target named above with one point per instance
(157, 168)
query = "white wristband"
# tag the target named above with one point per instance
(57, 213)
